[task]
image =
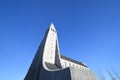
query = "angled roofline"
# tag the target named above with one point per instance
(72, 60)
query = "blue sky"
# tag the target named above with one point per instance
(88, 31)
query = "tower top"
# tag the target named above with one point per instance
(52, 27)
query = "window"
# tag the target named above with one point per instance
(51, 28)
(69, 64)
(65, 64)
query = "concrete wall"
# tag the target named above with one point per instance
(63, 74)
(80, 74)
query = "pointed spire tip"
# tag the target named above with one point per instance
(52, 26)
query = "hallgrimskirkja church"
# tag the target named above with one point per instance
(49, 64)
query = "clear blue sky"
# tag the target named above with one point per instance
(88, 31)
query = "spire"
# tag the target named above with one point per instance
(52, 27)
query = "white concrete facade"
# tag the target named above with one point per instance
(50, 48)
(50, 45)
(67, 63)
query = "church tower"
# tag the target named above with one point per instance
(49, 64)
